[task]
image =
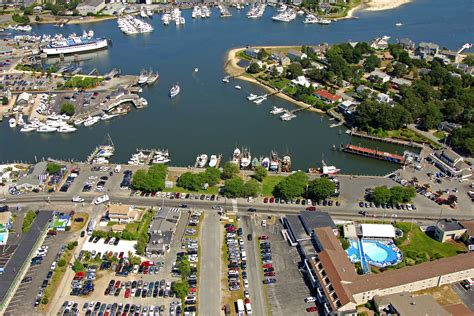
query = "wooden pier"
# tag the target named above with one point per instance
(386, 140)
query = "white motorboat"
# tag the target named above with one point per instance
(160, 159)
(43, 128)
(67, 129)
(106, 116)
(196, 69)
(245, 160)
(28, 128)
(266, 163)
(143, 78)
(12, 122)
(287, 116)
(311, 19)
(277, 110)
(91, 120)
(79, 122)
(202, 160)
(238, 87)
(259, 100)
(252, 97)
(399, 24)
(236, 153)
(226, 79)
(144, 101)
(213, 161)
(174, 91)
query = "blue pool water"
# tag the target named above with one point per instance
(377, 253)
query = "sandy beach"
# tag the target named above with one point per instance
(380, 5)
(73, 20)
(234, 70)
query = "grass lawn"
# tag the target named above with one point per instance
(76, 226)
(132, 227)
(419, 243)
(439, 134)
(210, 190)
(444, 295)
(269, 183)
(409, 135)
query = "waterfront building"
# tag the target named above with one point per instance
(380, 42)
(90, 7)
(378, 75)
(327, 96)
(296, 55)
(407, 43)
(301, 81)
(162, 230)
(427, 49)
(280, 58)
(451, 163)
(34, 177)
(252, 52)
(448, 229)
(5, 225)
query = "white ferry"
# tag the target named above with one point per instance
(74, 45)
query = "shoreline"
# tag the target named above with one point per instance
(234, 70)
(381, 5)
(75, 21)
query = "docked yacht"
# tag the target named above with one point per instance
(143, 78)
(12, 122)
(286, 16)
(79, 122)
(202, 160)
(152, 77)
(160, 158)
(286, 164)
(213, 161)
(144, 101)
(274, 162)
(28, 128)
(311, 19)
(66, 129)
(324, 21)
(252, 97)
(277, 110)
(91, 120)
(266, 163)
(106, 116)
(174, 91)
(287, 116)
(260, 99)
(246, 159)
(43, 128)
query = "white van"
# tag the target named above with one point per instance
(118, 168)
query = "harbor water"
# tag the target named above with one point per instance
(212, 117)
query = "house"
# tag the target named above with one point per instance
(38, 9)
(296, 55)
(280, 58)
(276, 70)
(425, 49)
(320, 49)
(34, 178)
(5, 225)
(347, 106)
(123, 213)
(361, 88)
(448, 126)
(465, 68)
(447, 229)
(383, 98)
(406, 304)
(406, 43)
(451, 163)
(324, 6)
(379, 76)
(380, 42)
(398, 82)
(252, 52)
(90, 7)
(450, 55)
(386, 56)
(118, 228)
(301, 81)
(327, 96)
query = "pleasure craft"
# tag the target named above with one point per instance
(213, 161)
(144, 101)
(43, 128)
(66, 129)
(238, 87)
(266, 163)
(91, 120)
(245, 160)
(28, 128)
(12, 122)
(277, 110)
(202, 160)
(106, 116)
(252, 97)
(143, 78)
(226, 79)
(174, 91)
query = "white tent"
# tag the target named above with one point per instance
(378, 230)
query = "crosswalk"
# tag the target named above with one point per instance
(234, 205)
(175, 210)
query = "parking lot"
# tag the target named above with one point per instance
(467, 296)
(27, 82)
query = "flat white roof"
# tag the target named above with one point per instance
(378, 230)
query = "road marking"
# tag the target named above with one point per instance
(234, 205)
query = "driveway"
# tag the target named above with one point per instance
(209, 284)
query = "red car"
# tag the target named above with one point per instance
(272, 200)
(121, 255)
(117, 284)
(311, 208)
(127, 293)
(79, 275)
(263, 237)
(247, 300)
(312, 309)
(52, 233)
(268, 265)
(265, 200)
(192, 290)
(270, 274)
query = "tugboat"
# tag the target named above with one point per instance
(286, 164)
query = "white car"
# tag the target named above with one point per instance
(264, 223)
(92, 177)
(101, 199)
(310, 299)
(77, 199)
(246, 283)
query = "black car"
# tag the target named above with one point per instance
(269, 281)
(4, 208)
(252, 209)
(249, 237)
(26, 279)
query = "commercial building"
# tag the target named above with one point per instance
(91, 7)
(448, 229)
(34, 177)
(5, 226)
(405, 304)
(123, 213)
(451, 163)
(161, 231)
(340, 289)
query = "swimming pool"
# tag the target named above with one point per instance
(379, 253)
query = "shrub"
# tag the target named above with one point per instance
(68, 109)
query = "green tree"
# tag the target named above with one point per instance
(28, 221)
(401, 194)
(262, 54)
(260, 173)
(77, 266)
(152, 180)
(320, 189)
(230, 170)
(234, 187)
(189, 181)
(53, 168)
(371, 63)
(292, 186)
(211, 176)
(181, 289)
(61, 263)
(469, 60)
(20, 19)
(4, 100)
(251, 188)
(294, 70)
(184, 268)
(399, 70)
(381, 195)
(68, 109)
(432, 116)
(253, 68)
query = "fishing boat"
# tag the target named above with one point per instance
(266, 163)
(328, 170)
(174, 91)
(236, 156)
(143, 78)
(286, 164)
(201, 160)
(152, 77)
(213, 161)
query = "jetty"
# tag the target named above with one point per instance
(135, 99)
(354, 132)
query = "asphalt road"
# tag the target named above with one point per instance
(254, 270)
(209, 278)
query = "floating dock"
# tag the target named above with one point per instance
(376, 154)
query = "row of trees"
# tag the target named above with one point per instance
(196, 181)
(394, 195)
(152, 180)
(298, 185)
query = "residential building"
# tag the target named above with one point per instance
(90, 7)
(450, 55)
(405, 304)
(451, 163)
(448, 126)
(301, 81)
(427, 49)
(251, 52)
(347, 106)
(296, 55)
(384, 98)
(380, 42)
(406, 43)
(465, 68)
(398, 82)
(448, 229)
(340, 289)
(161, 231)
(327, 96)
(281, 58)
(379, 76)
(122, 213)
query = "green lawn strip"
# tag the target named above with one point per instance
(269, 184)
